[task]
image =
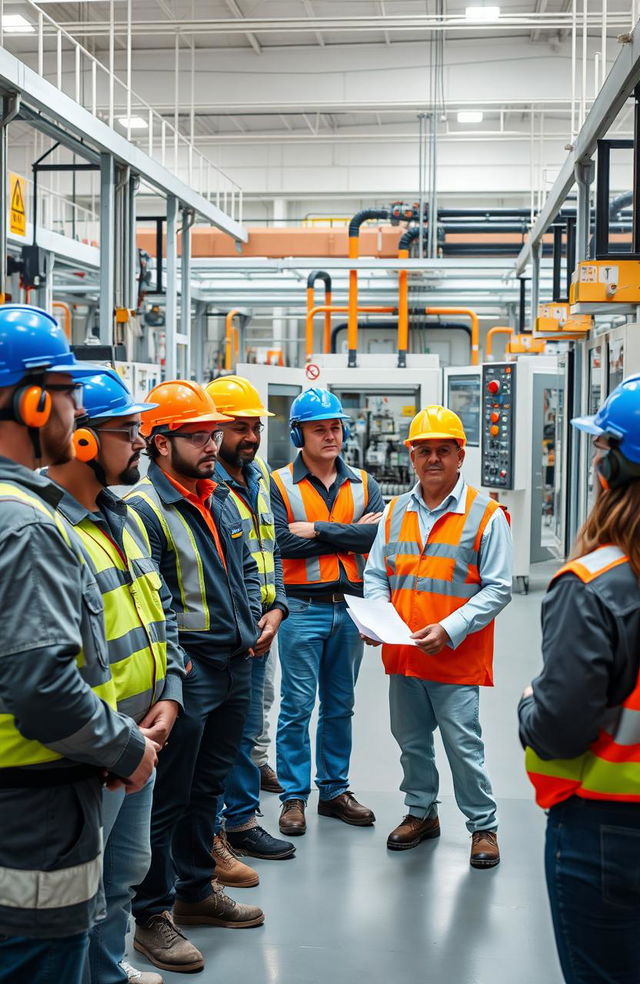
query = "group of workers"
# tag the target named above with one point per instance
(138, 641)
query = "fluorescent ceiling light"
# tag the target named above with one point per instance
(17, 24)
(483, 13)
(470, 116)
(133, 123)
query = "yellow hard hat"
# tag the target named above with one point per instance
(237, 397)
(436, 423)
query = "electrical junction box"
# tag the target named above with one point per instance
(604, 282)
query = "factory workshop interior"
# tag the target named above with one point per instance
(416, 222)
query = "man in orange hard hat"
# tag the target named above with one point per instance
(198, 546)
(442, 555)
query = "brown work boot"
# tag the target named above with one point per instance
(292, 822)
(346, 807)
(411, 831)
(230, 870)
(164, 945)
(485, 852)
(217, 910)
(269, 780)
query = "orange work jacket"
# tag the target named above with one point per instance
(305, 504)
(430, 581)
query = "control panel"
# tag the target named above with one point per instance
(498, 424)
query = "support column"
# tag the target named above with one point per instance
(584, 173)
(10, 107)
(170, 366)
(107, 284)
(185, 286)
(535, 283)
(279, 212)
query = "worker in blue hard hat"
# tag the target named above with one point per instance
(147, 662)
(326, 516)
(60, 735)
(580, 719)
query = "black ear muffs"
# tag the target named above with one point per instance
(615, 470)
(86, 444)
(297, 437)
(31, 406)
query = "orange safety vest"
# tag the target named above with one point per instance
(305, 504)
(430, 581)
(610, 768)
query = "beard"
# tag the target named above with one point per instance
(241, 456)
(183, 467)
(130, 476)
(57, 449)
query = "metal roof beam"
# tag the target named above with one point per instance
(618, 86)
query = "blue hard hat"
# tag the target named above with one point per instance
(316, 404)
(618, 418)
(107, 395)
(32, 341)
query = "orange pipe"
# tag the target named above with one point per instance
(326, 340)
(491, 334)
(475, 326)
(352, 321)
(329, 309)
(67, 316)
(403, 304)
(231, 346)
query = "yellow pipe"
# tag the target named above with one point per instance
(497, 330)
(67, 316)
(475, 326)
(230, 344)
(326, 347)
(331, 308)
(403, 304)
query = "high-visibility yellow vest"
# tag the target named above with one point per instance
(260, 531)
(91, 659)
(304, 503)
(610, 768)
(430, 581)
(133, 613)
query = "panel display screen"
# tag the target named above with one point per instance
(463, 397)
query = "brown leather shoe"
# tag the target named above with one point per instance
(230, 871)
(485, 852)
(292, 822)
(160, 940)
(411, 831)
(217, 910)
(346, 807)
(269, 780)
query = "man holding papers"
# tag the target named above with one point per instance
(442, 556)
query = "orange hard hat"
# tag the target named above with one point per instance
(180, 402)
(436, 423)
(237, 397)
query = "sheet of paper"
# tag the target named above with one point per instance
(379, 620)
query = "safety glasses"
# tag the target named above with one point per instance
(200, 438)
(74, 390)
(131, 430)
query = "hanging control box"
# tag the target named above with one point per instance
(498, 424)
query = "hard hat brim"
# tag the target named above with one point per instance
(204, 418)
(251, 412)
(123, 411)
(434, 436)
(319, 416)
(79, 370)
(588, 425)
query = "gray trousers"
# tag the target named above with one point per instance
(261, 748)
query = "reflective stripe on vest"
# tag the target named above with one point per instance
(32, 889)
(91, 659)
(133, 613)
(430, 581)
(260, 532)
(192, 610)
(610, 768)
(305, 504)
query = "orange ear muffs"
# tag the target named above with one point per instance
(86, 444)
(32, 406)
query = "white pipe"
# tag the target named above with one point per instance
(128, 69)
(573, 67)
(111, 60)
(583, 101)
(603, 44)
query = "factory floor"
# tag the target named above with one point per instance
(345, 909)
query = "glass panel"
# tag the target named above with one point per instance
(616, 363)
(280, 450)
(463, 397)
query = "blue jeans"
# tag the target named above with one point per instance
(592, 862)
(190, 777)
(34, 961)
(417, 708)
(320, 651)
(127, 856)
(242, 785)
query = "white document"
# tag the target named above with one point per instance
(379, 620)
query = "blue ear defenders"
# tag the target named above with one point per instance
(297, 437)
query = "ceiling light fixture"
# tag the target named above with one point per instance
(482, 14)
(17, 24)
(133, 123)
(470, 116)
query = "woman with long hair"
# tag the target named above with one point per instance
(580, 718)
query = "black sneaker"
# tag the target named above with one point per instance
(256, 842)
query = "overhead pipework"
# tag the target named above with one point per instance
(491, 334)
(313, 277)
(354, 251)
(232, 340)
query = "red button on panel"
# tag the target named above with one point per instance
(493, 385)
(495, 417)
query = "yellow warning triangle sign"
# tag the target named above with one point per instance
(17, 201)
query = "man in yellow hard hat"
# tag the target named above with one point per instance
(247, 477)
(442, 555)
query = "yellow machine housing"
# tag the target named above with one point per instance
(556, 320)
(603, 281)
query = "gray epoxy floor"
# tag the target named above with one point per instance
(346, 909)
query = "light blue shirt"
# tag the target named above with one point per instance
(494, 563)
